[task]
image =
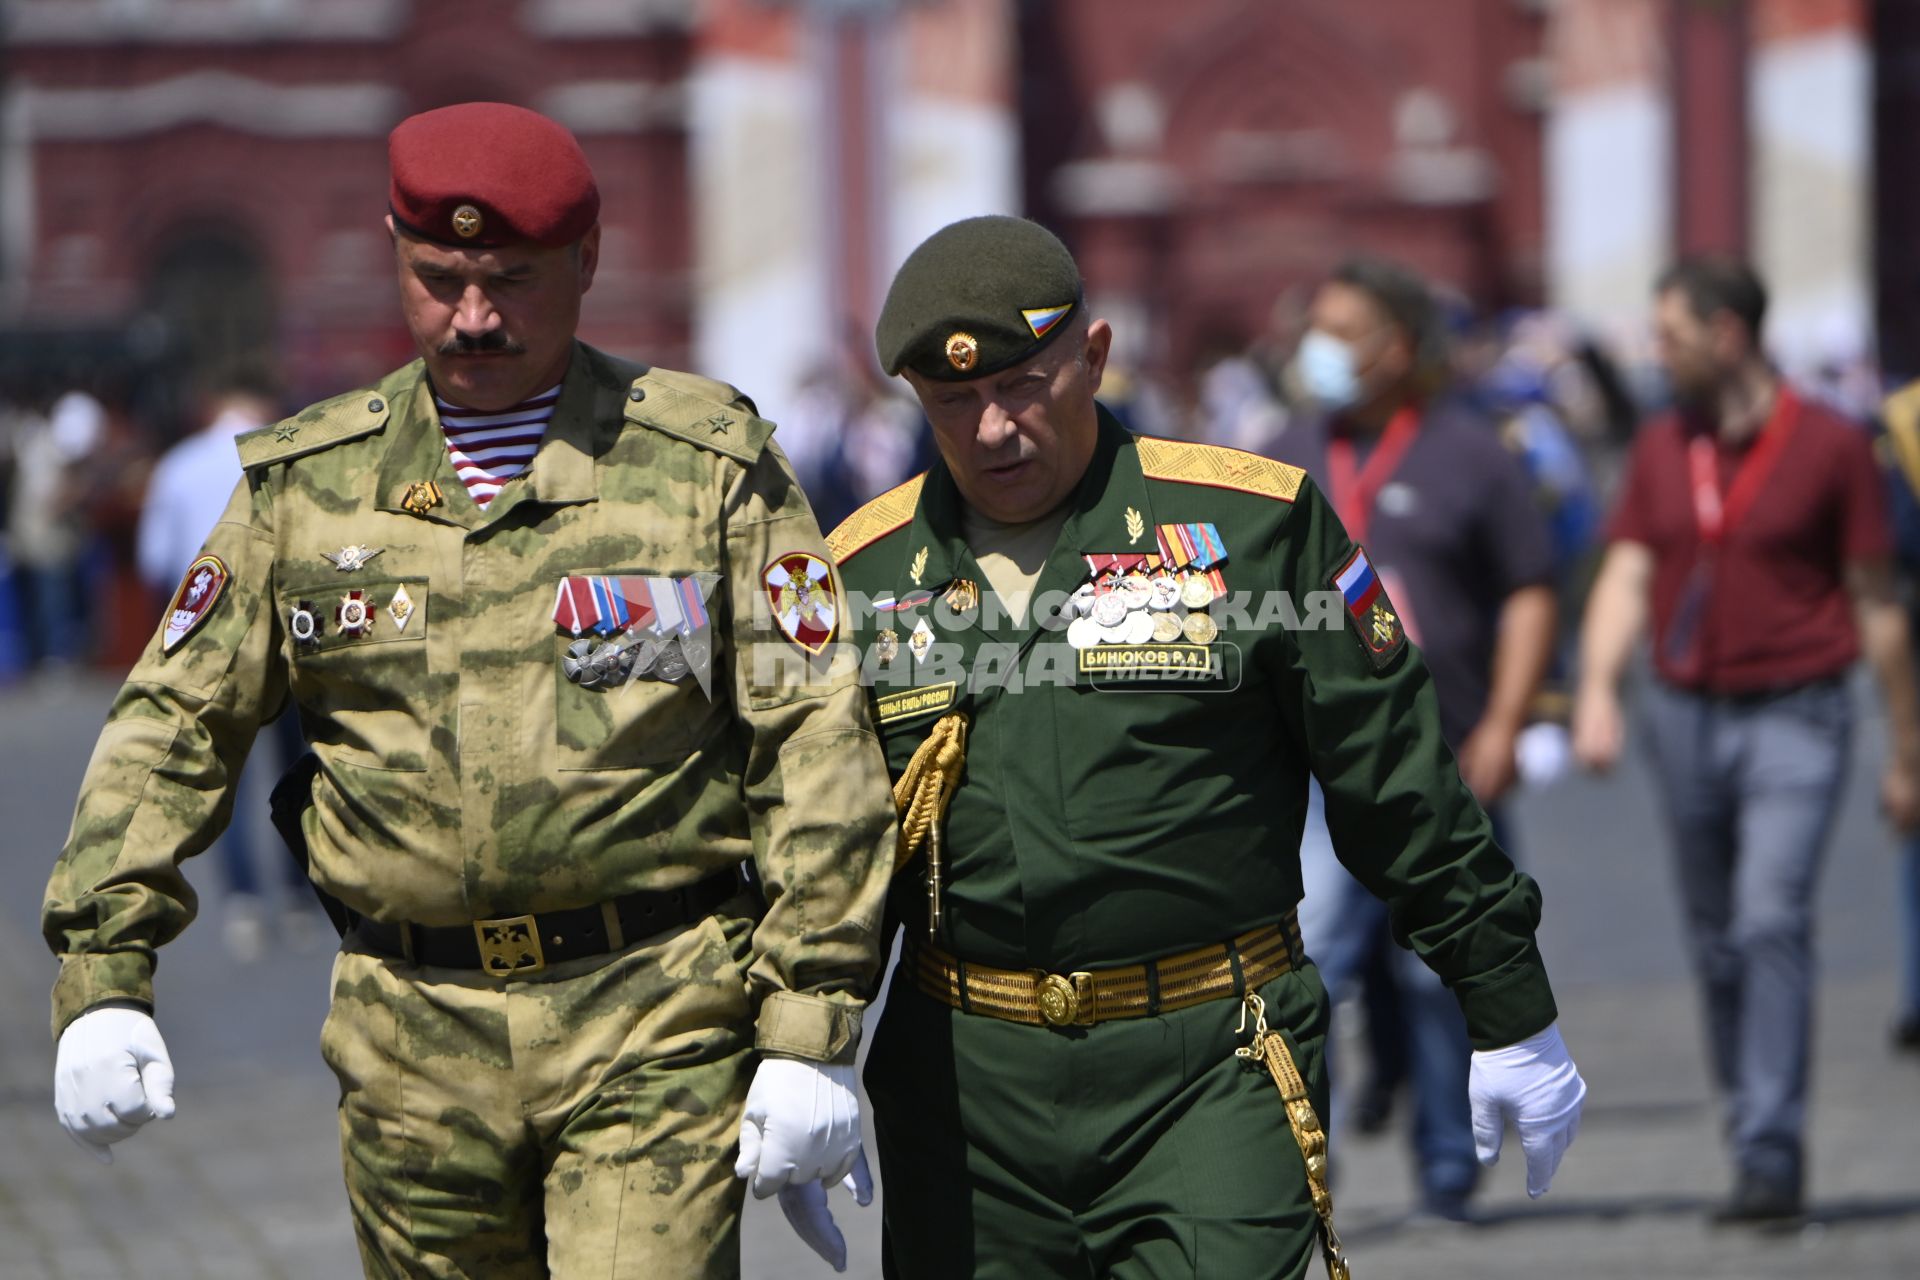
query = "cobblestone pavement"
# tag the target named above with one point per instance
(245, 1182)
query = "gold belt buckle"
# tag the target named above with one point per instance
(509, 945)
(1067, 1001)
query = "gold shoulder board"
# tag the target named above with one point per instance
(1186, 463)
(875, 520)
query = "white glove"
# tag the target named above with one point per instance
(111, 1074)
(802, 1125)
(805, 1204)
(1535, 1083)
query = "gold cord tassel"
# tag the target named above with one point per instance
(921, 796)
(1269, 1049)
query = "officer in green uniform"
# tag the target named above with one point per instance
(547, 749)
(1103, 667)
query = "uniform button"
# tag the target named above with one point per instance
(375, 405)
(637, 394)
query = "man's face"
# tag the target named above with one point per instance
(494, 325)
(1689, 348)
(1018, 441)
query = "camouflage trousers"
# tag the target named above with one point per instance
(580, 1123)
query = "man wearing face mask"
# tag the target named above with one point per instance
(1447, 514)
(1752, 531)
(1103, 667)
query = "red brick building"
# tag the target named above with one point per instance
(1204, 159)
(205, 179)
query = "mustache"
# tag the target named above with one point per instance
(493, 342)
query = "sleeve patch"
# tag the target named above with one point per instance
(1374, 619)
(200, 590)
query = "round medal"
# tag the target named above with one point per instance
(1081, 604)
(1139, 627)
(1166, 592)
(1137, 589)
(886, 646)
(1083, 633)
(642, 656)
(1166, 628)
(1110, 609)
(1200, 629)
(1196, 592)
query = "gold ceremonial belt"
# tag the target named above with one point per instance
(1039, 998)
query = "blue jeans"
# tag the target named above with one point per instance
(1751, 786)
(1341, 923)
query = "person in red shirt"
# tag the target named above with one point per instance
(1752, 526)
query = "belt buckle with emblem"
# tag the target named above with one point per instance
(1066, 1000)
(509, 945)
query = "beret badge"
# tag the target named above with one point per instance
(963, 352)
(467, 222)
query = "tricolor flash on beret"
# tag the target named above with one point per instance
(484, 174)
(977, 297)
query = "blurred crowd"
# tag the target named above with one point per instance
(77, 463)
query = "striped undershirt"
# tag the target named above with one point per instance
(489, 449)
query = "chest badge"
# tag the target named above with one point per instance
(303, 621)
(422, 496)
(352, 616)
(799, 586)
(400, 608)
(200, 590)
(351, 559)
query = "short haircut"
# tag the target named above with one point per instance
(1712, 284)
(1408, 302)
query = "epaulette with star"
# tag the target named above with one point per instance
(320, 426)
(700, 411)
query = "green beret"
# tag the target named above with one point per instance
(977, 297)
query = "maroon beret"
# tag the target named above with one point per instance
(484, 174)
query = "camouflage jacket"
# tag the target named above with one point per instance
(463, 775)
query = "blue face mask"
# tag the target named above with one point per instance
(1325, 368)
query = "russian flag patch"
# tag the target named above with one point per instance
(1374, 620)
(1041, 320)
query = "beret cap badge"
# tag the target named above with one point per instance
(467, 222)
(963, 352)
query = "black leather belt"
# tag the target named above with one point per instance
(512, 946)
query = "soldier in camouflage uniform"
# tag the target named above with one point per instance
(546, 752)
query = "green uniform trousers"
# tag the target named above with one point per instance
(1139, 1149)
(578, 1124)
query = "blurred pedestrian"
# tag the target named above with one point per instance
(47, 524)
(1446, 513)
(186, 492)
(1900, 416)
(1752, 527)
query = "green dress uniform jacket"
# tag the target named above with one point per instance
(1120, 807)
(463, 775)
